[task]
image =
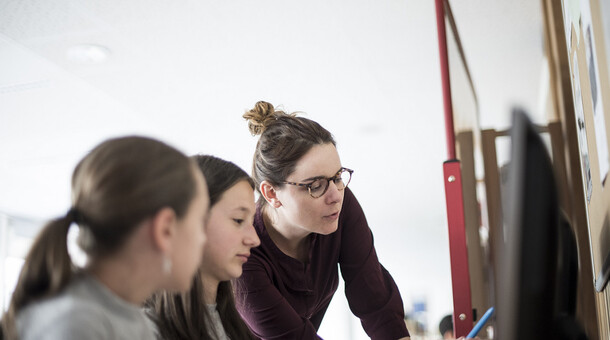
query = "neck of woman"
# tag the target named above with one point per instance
(291, 241)
(210, 289)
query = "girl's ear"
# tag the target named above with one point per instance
(270, 195)
(164, 224)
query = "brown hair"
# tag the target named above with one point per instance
(284, 139)
(184, 315)
(117, 185)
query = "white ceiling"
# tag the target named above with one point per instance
(184, 71)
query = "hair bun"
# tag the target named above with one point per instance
(261, 116)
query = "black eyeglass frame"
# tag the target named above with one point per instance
(328, 179)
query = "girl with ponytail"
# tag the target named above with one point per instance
(140, 206)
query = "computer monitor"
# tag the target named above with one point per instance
(525, 308)
(538, 262)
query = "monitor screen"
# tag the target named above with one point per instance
(528, 253)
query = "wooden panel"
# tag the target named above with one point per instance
(477, 260)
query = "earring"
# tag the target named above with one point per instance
(167, 265)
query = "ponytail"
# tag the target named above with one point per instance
(46, 271)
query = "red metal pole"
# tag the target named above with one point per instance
(460, 275)
(444, 59)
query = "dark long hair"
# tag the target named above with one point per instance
(284, 139)
(182, 316)
(117, 185)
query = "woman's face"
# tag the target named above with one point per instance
(230, 233)
(300, 211)
(190, 237)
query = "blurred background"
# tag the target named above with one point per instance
(74, 73)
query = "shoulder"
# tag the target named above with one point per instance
(350, 202)
(349, 196)
(61, 317)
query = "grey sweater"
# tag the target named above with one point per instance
(216, 331)
(85, 309)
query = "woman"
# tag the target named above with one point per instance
(140, 205)
(208, 311)
(308, 222)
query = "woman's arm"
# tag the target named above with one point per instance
(370, 289)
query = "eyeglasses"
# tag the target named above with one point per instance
(318, 187)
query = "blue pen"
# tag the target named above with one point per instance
(480, 324)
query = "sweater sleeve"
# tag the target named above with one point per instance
(371, 292)
(267, 313)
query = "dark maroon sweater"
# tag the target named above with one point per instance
(279, 297)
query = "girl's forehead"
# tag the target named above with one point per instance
(240, 195)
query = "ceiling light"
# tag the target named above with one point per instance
(87, 54)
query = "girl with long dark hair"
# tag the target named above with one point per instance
(208, 310)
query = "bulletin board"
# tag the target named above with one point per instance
(581, 87)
